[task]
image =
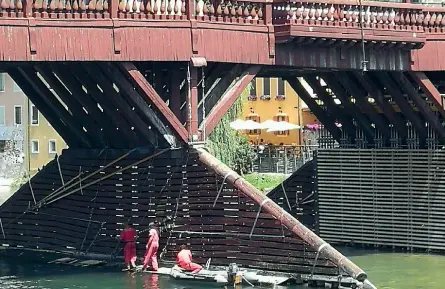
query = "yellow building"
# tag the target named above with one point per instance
(274, 99)
(44, 142)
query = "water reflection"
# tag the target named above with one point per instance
(30, 270)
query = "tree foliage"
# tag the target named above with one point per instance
(229, 146)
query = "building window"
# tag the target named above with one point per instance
(35, 146)
(16, 87)
(52, 147)
(253, 131)
(34, 115)
(281, 90)
(2, 82)
(2, 146)
(252, 95)
(2, 115)
(18, 114)
(266, 89)
(282, 117)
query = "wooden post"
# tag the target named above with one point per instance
(192, 104)
(175, 90)
(190, 6)
(113, 7)
(27, 9)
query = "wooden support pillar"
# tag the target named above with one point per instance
(229, 97)
(152, 97)
(430, 90)
(46, 110)
(327, 120)
(175, 93)
(362, 102)
(367, 82)
(336, 110)
(191, 103)
(420, 103)
(403, 104)
(342, 95)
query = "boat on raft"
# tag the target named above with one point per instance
(235, 275)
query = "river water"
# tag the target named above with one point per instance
(30, 270)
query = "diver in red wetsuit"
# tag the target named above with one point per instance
(184, 260)
(128, 235)
(152, 248)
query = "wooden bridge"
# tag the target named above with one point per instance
(122, 80)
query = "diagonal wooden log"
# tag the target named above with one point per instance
(73, 105)
(282, 215)
(402, 102)
(420, 103)
(340, 113)
(87, 100)
(150, 94)
(325, 118)
(430, 90)
(61, 128)
(229, 97)
(81, 74)
(367, 83)
(55, 105)
(363, 103)
(134, 119)
(127, 89)
(341, 93)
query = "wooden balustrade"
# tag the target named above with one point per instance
(70, 9)
(11, 8)
(152, 9)
(377, 15)
(230, 11)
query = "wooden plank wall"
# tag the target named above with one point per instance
(149, 192)
(384, 197)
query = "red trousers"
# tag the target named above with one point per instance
(195, 268)
(130, 252)
(151, 256)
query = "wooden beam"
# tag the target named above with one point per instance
(229, 97)
(147, 112)
(191, 105)
(368, 84)
(134, 119)
(152, 97)
(93, 130)
(336, 110)
(420, 103)
(403, 104)
(430, 90)
(327, 120)
(341, 93)
(362, 102)
(61, 128)
(55, 105)
(108, 123)
(175, 92)
(219, 88)
(109, 109)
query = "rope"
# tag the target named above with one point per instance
(30, 187)
(285, 195)
(60, 171)
(3, 231)
(316, 257)
(258, 214)
(221, 187)
(80, 181)
(164, 250)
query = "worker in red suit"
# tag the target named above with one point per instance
(184, 260)
(152, 248)
(128, 235)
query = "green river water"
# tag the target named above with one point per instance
(29, 270)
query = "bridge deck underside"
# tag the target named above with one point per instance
(174, 184)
